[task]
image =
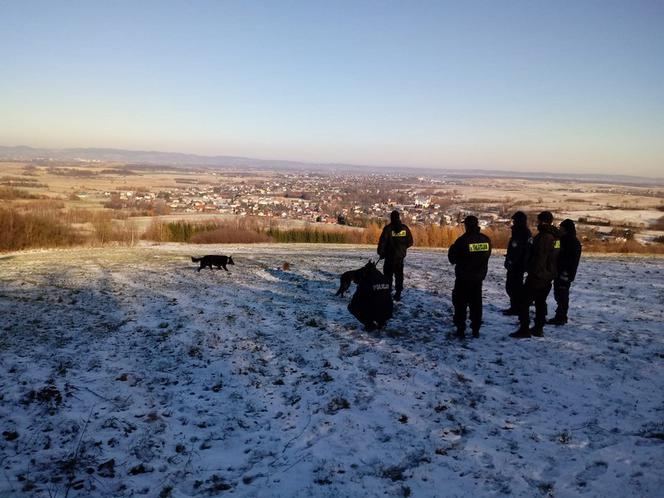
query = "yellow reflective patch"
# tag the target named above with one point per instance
(402, 233)
(556, 244)
(478, 247)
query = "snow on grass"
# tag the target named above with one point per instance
(124, 372)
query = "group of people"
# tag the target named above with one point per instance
(550, 258)
(534, 265)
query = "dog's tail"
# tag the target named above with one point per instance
(195, 260)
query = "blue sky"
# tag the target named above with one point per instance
(567, 86)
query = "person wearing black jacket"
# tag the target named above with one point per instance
(541, 268)
(470, 254)
(515, 260)
(393, 243)
(372, 304)
(568, 262)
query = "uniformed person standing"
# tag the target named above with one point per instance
(393, 243)
(515, 260)
(568, 262)
(470, 255)
(541, 268)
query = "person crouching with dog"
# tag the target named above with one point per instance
(372, 303)
(470, 254)
(393, 243)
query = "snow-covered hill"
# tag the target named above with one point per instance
(124, 372)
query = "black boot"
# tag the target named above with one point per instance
(476, 333)
(397, 296)
(537, 331)
(521, 333)
(557, 321)
(461, 333)
(510, 312)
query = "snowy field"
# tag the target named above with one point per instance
(124, 372)
(618, 216)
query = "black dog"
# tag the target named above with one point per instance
(352, 276)
(214, 260)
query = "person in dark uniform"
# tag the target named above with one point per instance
(393, 243)
(372, 303)
(470, 254)
(515, 260)
(541, 268)
(568, 262)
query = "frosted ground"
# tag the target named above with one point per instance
(124, 372)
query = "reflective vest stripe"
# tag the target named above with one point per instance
(556, 244)
(478, 247)
(402, 233)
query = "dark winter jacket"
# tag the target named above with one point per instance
(470, 253)
(372, 300)
(518, 249)
(543, 257)
(394, 241)
(568, 257)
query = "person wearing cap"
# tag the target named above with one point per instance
(541, 268)
(515, 260)
(393, 243)
(470, 254)
(568, 262)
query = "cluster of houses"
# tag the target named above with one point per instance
(307, 197)
(346, 199)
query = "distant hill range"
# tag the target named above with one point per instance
(181, 160)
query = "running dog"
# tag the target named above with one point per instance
(214, 260)
(352, 276)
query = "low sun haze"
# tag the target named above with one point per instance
(528, 86)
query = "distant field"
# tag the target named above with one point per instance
(103, 177)
(555, 195)
(644, 217)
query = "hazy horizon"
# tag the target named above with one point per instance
(370, 167)
(561, 88)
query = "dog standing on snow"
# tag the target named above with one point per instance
(214, 260)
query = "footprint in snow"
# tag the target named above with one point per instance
(591, 473)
